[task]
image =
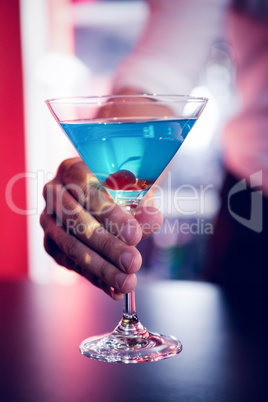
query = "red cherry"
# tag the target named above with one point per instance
(120, 180)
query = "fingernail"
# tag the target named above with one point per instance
(120, 280)
(128, 233)
(126, 260)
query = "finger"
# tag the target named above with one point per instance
(150, 220)
(85, 227)
(53, 250)
(84, 186)
(92, 264)
(149, 217)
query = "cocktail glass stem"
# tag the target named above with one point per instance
(129, 308)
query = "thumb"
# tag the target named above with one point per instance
(149, 217)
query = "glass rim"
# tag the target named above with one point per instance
(163, 98)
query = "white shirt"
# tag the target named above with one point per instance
(245, 137)
(172, 51)
(174, 46)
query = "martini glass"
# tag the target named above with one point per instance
(127, 141)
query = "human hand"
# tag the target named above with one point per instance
(87, 232)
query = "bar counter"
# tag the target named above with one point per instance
(224, 357)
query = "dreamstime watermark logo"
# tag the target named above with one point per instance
(255, 221)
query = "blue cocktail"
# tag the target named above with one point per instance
(127, 141)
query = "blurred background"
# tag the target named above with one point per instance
(53, 48)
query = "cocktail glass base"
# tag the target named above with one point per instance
(130, 342)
